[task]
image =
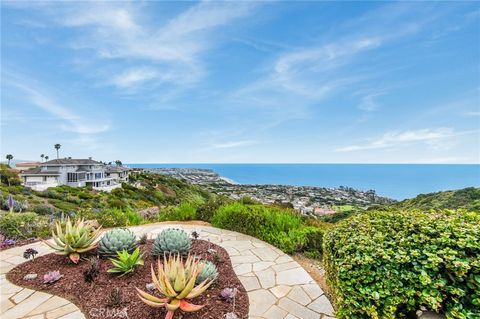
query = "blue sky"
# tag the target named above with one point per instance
(321, 82)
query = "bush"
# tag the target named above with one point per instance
(385, 264)
(18, 206)
(24, 225)
(43, 209)
(279, 227)
(184, 211)
(113, 217)
(206, 211)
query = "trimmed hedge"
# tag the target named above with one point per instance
(385, 264)
(280, 227)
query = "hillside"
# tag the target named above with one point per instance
(145, 190)
(467, 198)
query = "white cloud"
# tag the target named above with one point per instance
(71, 122)
(437, 138)
(369, 102)
(233, 144)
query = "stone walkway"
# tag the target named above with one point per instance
(278, 287)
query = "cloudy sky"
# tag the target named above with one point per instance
(169, 82)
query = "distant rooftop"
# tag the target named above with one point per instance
(72, 161)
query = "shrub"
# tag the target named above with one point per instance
(385, 264)
(206, 211)
(279, 227)
(18, 206)
(43, 209)
(23, 225)
(113, 217)
(185, 211)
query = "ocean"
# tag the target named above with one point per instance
(397, 181)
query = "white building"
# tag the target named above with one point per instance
(75, 173)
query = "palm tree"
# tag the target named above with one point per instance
(42, 156)
(118, 162)
(46, 158)
(57, 147)
(9, 157)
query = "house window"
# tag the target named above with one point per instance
(72, 177)
(98, 175)
(81, 176)
(44, 178)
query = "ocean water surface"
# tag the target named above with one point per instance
(398, 181)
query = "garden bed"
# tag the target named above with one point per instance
(94, 299)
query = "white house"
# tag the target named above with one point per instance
(75, 173)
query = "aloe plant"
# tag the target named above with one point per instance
(73, 239)
(125, 262)
(176, 281)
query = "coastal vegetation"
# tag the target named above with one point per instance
(383, 261)
(390, 263)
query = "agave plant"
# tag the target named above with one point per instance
(73, 239)
(176, 281)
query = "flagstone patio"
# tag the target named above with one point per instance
(278, 287)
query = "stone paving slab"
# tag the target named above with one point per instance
(278, 287)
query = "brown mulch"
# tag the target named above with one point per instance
(94, 298)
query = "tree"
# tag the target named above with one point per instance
(118, 162)
(46, 158)
(42, 156)
(9, 157)
(8, 176)
(57, 147)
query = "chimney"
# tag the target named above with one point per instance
(89, 157)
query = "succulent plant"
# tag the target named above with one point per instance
(209, 271)
(143, 239)
(51, 277)
(117, 240)
(91, 273)
(30, 253)
(228, 293)
(115, 299)
(172, 240)
(176, 281)
(73, 239)
(125, 262)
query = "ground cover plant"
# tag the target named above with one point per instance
(388, 263)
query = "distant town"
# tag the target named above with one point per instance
(317, 201)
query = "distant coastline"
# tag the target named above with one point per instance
(397, 181)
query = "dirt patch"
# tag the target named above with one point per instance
(94, 298)
(315, 269)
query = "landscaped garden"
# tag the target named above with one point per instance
(174, 273)
(385, 262)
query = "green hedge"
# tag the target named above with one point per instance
(385, 264)
(282, 228)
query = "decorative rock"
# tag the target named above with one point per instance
(150, 287)
(30, 276)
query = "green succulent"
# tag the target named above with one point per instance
(125, 262)
(209, 271)
(117, 240)
(172, 240)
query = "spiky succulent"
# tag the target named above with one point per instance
(125, 262)
(117, 240)
(209, 271)
(73, 239)
(176, 281)
(172, 240)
